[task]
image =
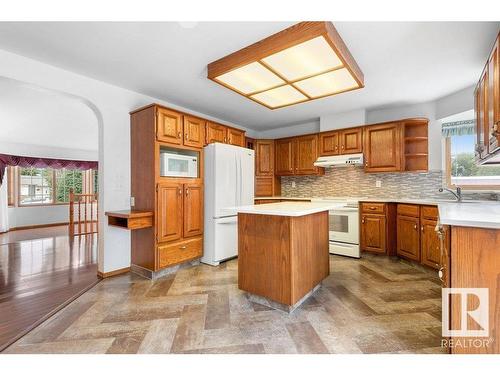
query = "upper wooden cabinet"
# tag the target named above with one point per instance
(382, 147)
(169, 126)
(306, 153)
(487, 107)
(224, 134)
(341, 142)
(285, 156)
(264, 157)
(194, 131)
(296, 156)
(215, 133)
(236, 137)
(329, 143)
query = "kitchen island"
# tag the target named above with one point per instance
(282, 251)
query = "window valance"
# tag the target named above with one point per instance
(465, 127)
(26, 162)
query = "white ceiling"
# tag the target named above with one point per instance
(403, 63)
(39, 117)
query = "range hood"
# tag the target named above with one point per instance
(339, 161)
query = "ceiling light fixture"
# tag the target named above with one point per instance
(307, 61)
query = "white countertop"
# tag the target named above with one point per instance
(480, 215)
(279, 198)
(287, 208)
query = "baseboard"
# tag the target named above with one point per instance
(37, 226)
(104, 275)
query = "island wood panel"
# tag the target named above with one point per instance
(143, 188)
(475, 263)
(281, 257)
(264, 266)
(309, 253)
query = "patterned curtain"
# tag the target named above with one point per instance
(466, 127)
(25, 161)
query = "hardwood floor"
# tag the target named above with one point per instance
(371, 305)
(41, 271)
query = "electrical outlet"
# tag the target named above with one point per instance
(293, 184)
(378, 183)
(132, 201)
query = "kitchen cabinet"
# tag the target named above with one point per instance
(193, 210)
(296, 156)
(215, 133)
(487, 107)
(417, 236)
(175, 203)
(382, 148)
(264, 157)
(341, 142)
(224, 134)
(408, 237)
(170, 204)
(377, 227)
(266, 183)
(235, 137)
(194, 131)
(285, 156)
(169, 126)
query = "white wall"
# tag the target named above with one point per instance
(289, 131)
(457, 102)
(342, 120)
(111, 106)
(27, 216)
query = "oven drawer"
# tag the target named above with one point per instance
(373, 208)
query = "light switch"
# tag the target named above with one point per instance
(293, 184)
(378, 183)
(132, 201)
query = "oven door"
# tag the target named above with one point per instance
(344, 225)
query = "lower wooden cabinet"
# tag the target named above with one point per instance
(408, 237)
(377, 228)
(417, 236)
(373, 228)
(431, 251)
(174, 253)
(179, 222)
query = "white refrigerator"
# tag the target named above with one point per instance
(229, 182)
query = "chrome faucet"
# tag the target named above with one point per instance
(458, 194)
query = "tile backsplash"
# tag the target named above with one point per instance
(353, 181)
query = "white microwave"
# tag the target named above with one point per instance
(177, 165)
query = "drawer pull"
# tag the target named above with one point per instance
(183, 247)
(373, 208)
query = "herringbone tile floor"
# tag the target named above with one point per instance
(372, 305)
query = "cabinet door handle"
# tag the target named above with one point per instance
(187, 192)
(180, 191)
(179, 135)
(415, 227)
(342, 147)
(186, 135)
(422, 228)
(363, 220)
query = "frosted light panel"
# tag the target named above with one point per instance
(250, 78)
(305, 59)
(328, 83)
(280, 96)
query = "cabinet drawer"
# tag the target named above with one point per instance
(374, 208)
(408, 210)
(179, 252)
(430, 212)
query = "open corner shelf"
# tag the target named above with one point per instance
(130, 219)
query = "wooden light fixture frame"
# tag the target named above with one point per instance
(296, 34)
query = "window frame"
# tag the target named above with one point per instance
(87, 187)
(450, 184)
(11, 187)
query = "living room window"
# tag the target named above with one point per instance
(35, 186)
